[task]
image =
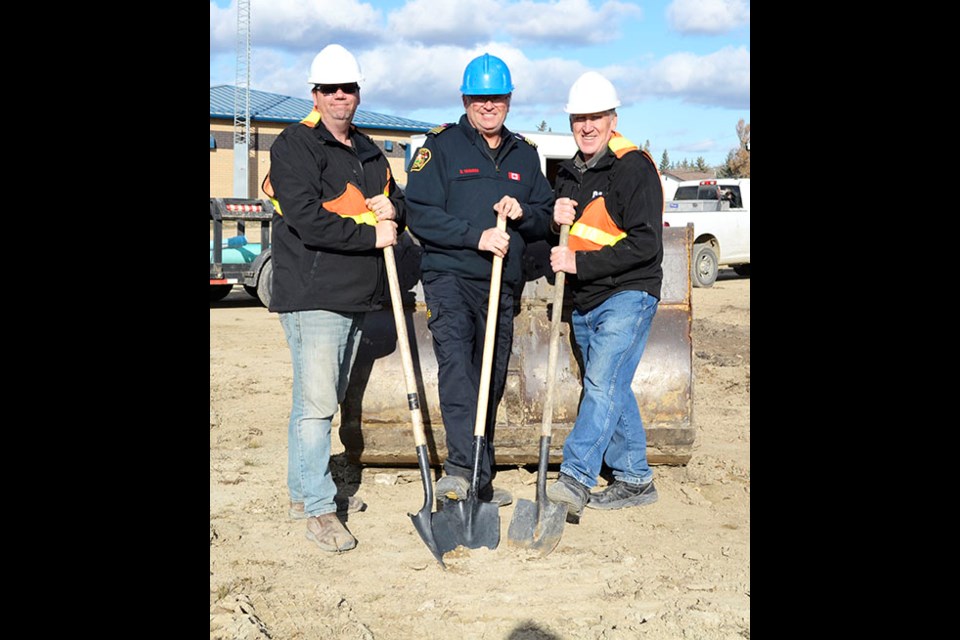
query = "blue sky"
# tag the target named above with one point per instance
(681, 67)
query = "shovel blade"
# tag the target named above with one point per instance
(423, 522)
(468, 523)
(535, 528)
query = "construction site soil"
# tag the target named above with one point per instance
(679, 568)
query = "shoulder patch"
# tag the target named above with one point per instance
(439, 128)
(423, 157)
(524, 139)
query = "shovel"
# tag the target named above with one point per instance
(422, 520)
(471, 523)
(539, 525)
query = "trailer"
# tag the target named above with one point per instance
(235, 260)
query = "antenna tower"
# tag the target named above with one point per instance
(241, 103)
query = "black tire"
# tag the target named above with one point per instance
(742, 269)
(265, 283)
(219, 291)
(704, 266)
(251, 291)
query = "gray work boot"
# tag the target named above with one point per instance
(345, 505)
(329, 533)
(452, 487)
(622, 494)
(499, 497)
(572, 494)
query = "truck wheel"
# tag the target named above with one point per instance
(703, 270)
(265, 283)
(219, 291)
(742, 269)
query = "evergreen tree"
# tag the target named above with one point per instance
(738, 160)
(664, 161)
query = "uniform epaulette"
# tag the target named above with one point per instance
(527, 140)
(440, 127)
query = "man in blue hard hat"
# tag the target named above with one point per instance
(461, 180)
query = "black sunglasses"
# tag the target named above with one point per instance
(329, 89)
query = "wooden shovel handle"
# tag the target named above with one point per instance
(560, 277)
(488, 340)
(396, 301)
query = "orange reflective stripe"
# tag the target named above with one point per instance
(595, 229)
(351, 204)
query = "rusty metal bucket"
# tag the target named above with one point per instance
(375, 422)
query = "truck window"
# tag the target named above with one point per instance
(708, 192)
(735, 202)
(686, 193)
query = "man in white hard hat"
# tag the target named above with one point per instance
(611, 194)
(337, 206)
(462, 179)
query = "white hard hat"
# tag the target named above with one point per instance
(592, 93)
(334, 65)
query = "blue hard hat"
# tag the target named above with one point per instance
(486, 75)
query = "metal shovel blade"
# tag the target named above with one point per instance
(468, 523)
(424, 521)
(538, 525)
(537, 528)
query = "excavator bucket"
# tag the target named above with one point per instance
(375, 420)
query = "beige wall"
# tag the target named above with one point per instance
(263, 134)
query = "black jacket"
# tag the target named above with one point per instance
(450, 200)
(634, 197)
(320, 259)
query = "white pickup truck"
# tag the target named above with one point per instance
(719, 210)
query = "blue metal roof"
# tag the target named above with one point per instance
(273, 107)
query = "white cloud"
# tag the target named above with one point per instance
(719, 79)
(564, 23)
(707, 17)
(307, 25)
(442, 22)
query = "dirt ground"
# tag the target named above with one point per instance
(679, 568)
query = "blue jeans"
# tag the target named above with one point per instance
(323, 346)
(608, 428)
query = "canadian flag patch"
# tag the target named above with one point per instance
(513, 176)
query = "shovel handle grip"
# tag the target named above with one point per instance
(493, 305)
(546, 425)
(396, 302)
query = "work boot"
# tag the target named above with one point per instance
(329, 533)
(570, 493)
(499, 497)
(345, 505)
(452, 487)
(623, 494)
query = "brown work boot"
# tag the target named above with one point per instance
(329, 533)
(345, 505)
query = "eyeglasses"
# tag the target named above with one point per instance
(329, 89)
(502, 98)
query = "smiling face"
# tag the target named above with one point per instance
(592, 131)
(337, 103)
(487, 113)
